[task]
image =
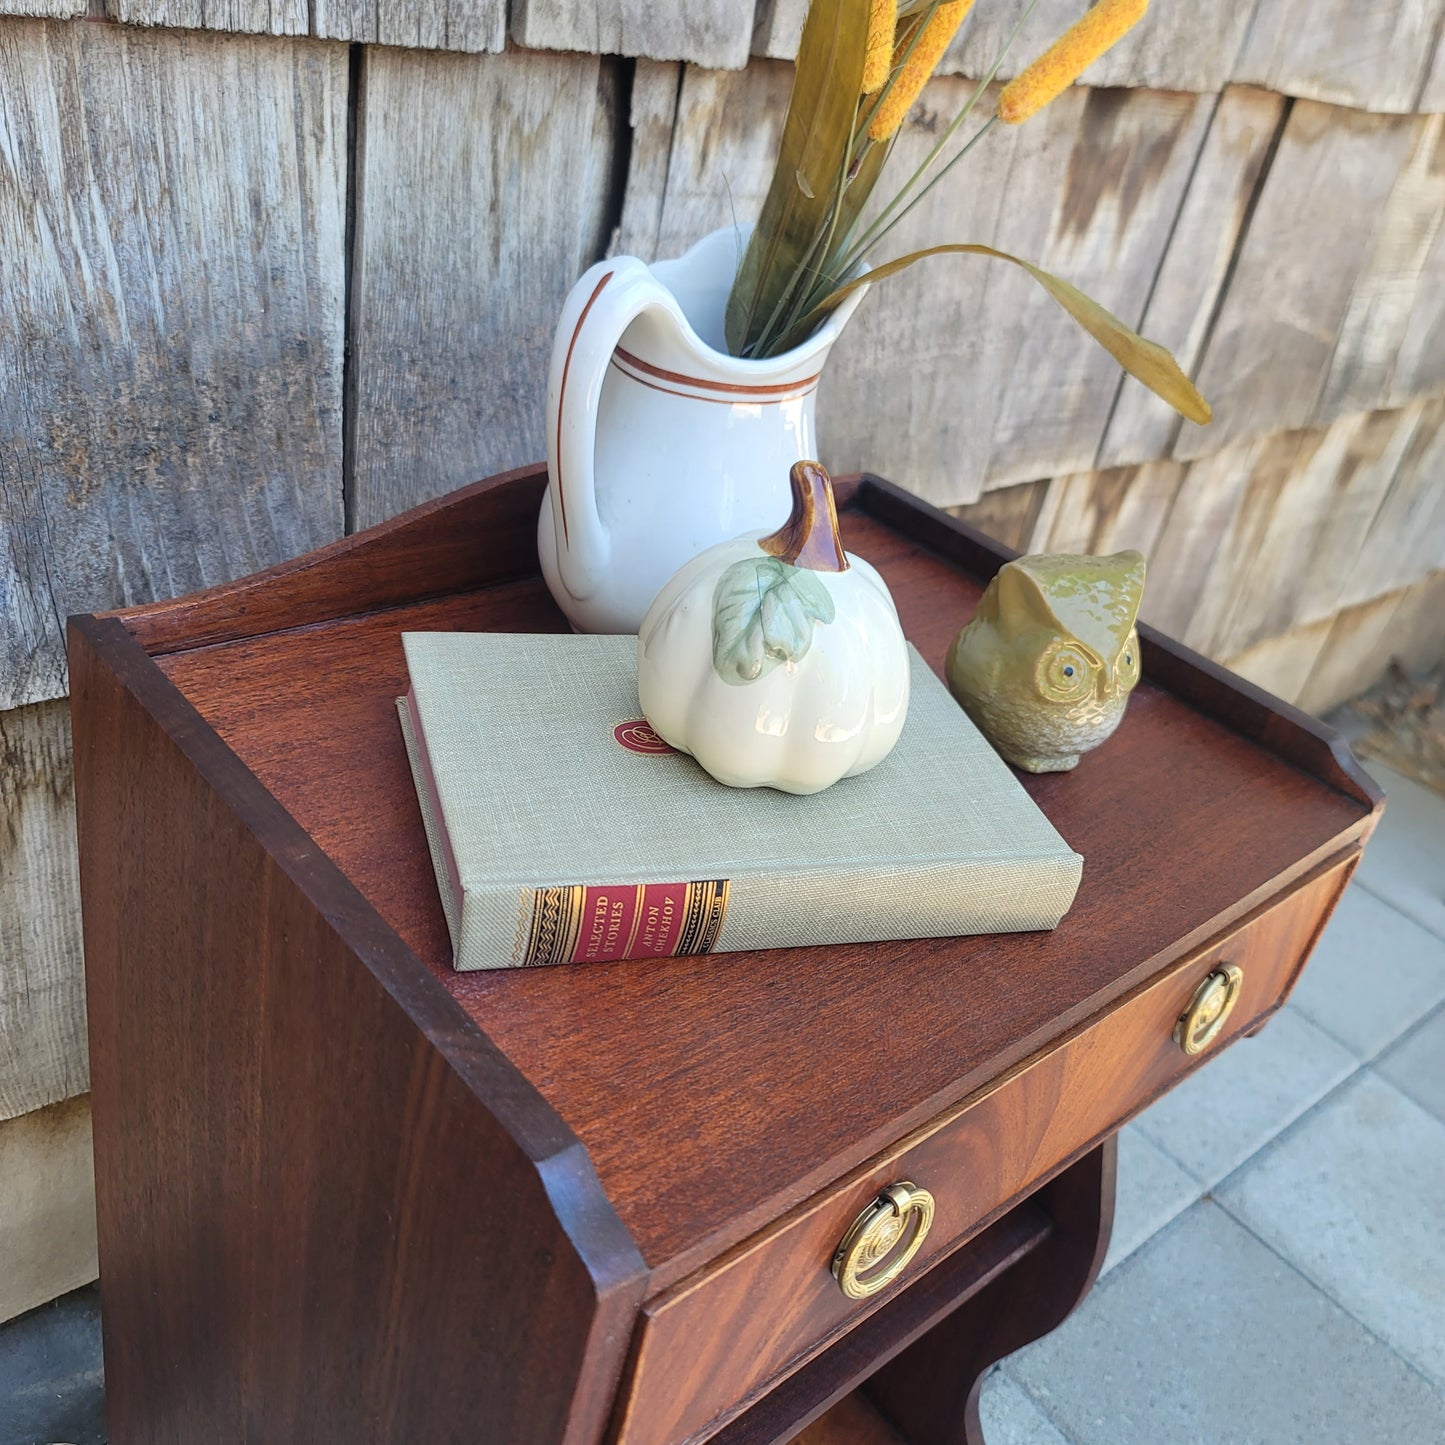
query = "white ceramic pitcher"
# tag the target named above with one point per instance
(659, 443)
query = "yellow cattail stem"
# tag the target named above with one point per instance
(1067, 58)
(878, 57)
(910, 80)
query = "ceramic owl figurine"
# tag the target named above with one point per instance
(1047, 664)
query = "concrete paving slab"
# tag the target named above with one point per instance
(1404, 862)
(1352, 1197)
(1373, 975)
(51, 1386)
(1009, 1417)
(1238, 1102)
(1152, 1190)
(1416, 1065)
(1206, 1336)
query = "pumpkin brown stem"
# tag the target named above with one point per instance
(809, 538)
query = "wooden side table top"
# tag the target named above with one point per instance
(714, 1097)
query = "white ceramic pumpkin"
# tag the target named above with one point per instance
(777, 661)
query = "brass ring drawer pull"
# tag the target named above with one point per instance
(862, 1264)
(1214, 1000)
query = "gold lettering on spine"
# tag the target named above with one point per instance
(558, 921)
(596, 925)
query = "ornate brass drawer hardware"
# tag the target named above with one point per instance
(862, 1264)
(1213, 1001)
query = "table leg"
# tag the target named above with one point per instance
(929, 1393)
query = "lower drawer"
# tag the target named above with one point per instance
(714, 1342)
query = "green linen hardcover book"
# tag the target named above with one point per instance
(563, 830)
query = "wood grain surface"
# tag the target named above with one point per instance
(1010, 515)
(1391, 348)
(1274, 346)
(1271, 536)
(1106, 511)
(1373, 57)
(1196, 268)
(1252, 551)
(429, 553)
(651, 114)
(1378, 57)
(1406, 539)
(778, 27)
(1176, 47)
(930, 1392)
(1285, 664)
(1416, 637)
(173, 417)
(826, 1380)
(997, 1149)
(298, 1185)
(1308, 536)
(1090, 190)
(258, 17)
(712, 33)
(963, 377)
(484, 186)
(47, 1206)
(42, 987)
(45, 9)
(465, 25)
(703, 149)
(1404, 626)
(310, 712)
(853, 1421)
(1432, 92)
(1349, 656)
(1173, 47)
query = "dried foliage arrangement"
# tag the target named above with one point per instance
(861, 66)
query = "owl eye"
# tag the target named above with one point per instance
(1064, 673)
(1126, 670)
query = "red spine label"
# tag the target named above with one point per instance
(585, 924)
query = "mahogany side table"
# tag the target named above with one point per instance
(346, 1195)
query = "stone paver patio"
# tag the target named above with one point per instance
(1277, 1275)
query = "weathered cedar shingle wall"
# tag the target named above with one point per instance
(274, 268)
(172, 282)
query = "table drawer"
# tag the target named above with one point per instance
(715, 1341)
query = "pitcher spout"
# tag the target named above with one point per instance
(700, 281)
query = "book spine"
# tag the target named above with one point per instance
(582, 923)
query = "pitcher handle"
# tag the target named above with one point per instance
(601, 306)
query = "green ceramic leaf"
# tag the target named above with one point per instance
(763, 611)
